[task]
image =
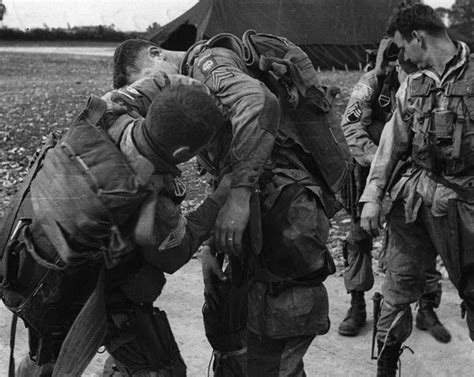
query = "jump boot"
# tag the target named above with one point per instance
(355, 317)
(387, 362)
(426, 319)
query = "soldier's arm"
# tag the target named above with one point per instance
(358, 117)
(254, 114)
(183, 235)
(394, 145)
(137, 97)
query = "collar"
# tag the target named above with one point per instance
(456, 66)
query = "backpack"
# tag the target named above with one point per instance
(83, 194)
(307, 117)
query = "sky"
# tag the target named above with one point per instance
(125, 15)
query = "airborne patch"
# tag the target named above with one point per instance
(206, 64)
(354, 113)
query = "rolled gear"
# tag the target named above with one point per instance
(143, 327)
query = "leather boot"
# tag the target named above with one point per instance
(387, 363)
(355, 317)
(426, 319)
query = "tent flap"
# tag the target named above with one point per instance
(334, 33)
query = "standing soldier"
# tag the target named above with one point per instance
(371, 104)
(433, 199)
(288, 304)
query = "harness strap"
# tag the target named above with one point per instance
(15, 205)
(86, 335)
(465, 193)
(11, 364)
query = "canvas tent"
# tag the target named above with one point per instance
(334, 33)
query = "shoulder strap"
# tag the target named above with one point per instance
(11, 364)
(15, 205)
(86, 334)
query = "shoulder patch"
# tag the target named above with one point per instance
(206, 64)
(354, 113)
(362, 92)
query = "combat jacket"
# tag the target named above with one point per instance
(254, 111)
(366, 113)
(408, 134)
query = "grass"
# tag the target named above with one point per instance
(40, 94)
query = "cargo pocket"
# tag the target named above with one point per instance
(295, 311)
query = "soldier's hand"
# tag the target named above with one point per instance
(211, 272)
(114, 104)
(232, 221)
(370, 219)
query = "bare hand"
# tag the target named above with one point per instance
(370, 219)
(211, 273)
(232, 221)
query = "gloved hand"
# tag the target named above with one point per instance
(114, 105)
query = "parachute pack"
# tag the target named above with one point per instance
(307, 117)
(82, 192)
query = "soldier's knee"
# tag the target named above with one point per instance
(395, 323)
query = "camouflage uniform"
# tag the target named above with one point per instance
(432, 199)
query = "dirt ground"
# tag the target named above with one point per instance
(42, 93)
(330, 355)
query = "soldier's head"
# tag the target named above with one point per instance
(136, 58)
(386, 56)
(180, 122)
(414, 29)
(404, 67)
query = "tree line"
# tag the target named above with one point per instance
(100, 33)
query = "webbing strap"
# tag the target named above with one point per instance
(86, 335)
(15, 205)
(11, 364)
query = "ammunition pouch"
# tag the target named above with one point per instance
(41, 296)
(146, 329)
(444, 139)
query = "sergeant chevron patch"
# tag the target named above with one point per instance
(217, 76)
(354, 113)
